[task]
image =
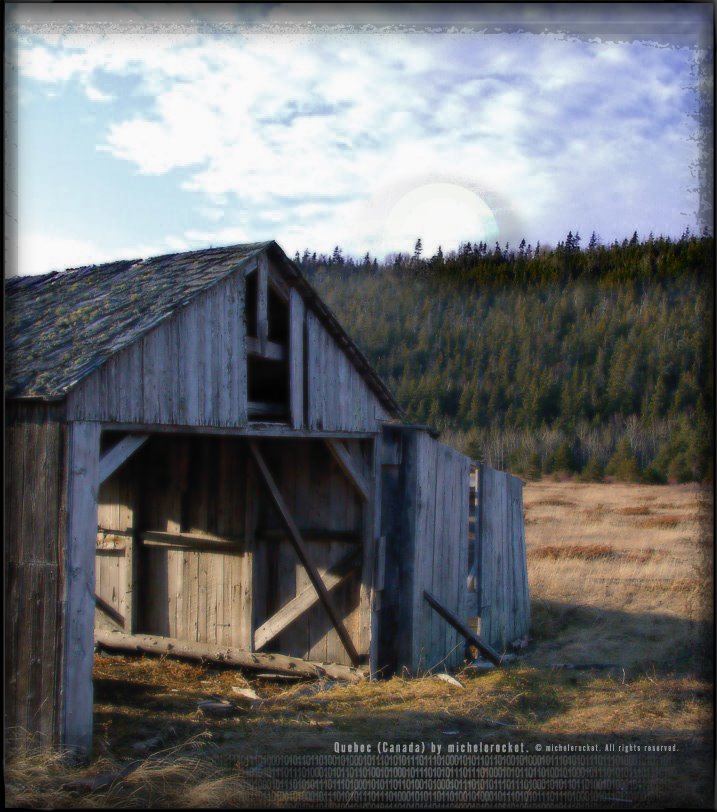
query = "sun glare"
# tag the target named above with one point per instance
(444, 214)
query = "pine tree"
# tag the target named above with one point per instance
(593, 471)
(623, 464)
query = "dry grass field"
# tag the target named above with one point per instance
(621, 589)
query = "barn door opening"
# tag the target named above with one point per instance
(195, 551)
(327, 513)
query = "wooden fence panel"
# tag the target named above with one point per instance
(502, 588)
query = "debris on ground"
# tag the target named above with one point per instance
(247, 697)
(147, 746)
(449, 679)
(215, 707)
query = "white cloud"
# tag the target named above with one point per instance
(296, 132)
(39, 252)
(96, 95)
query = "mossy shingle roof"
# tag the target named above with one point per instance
(61, 326)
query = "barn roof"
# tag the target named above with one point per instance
(62, 326)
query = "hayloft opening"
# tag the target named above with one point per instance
(267, 324)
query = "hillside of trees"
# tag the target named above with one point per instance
(592, 362)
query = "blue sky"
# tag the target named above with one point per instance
(144, 130)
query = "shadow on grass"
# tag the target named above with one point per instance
(642, 640)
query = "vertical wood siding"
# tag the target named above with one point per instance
(190, 370)
(441, 558)
(297, 311)
(425, 520)
(33, 576)
(196, 485)
(339, 399)
(116, 511)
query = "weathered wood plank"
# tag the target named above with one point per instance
(186, 539)
(34, 498)
(262, 302)
(272, 351)
(296, 358)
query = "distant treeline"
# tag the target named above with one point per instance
(594, 361)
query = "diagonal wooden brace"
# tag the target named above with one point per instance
(296, 539)
(111, 460)
(485, 649)
(334, 576)
(348, 466)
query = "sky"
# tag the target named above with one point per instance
(138, 130)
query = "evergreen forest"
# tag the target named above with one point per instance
(588, 361)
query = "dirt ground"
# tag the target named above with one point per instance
(620, 656)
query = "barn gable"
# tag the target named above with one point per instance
(220, 337)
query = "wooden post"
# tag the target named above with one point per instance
(130, 564)
(249, 606)
(78, 649)
(262, 302)
(301, 551)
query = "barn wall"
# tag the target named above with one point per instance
(501, 564)
(339, 399)
(425, 521)
(190, 370)
(34, 454)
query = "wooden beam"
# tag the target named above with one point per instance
(225, 655)
(262, 302)
(272, 352)
(301, 551)
(265, 429)
(348, 466)
(462, 629)
(111, 460)
(187, 539)
(334, 576)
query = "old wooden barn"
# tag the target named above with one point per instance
(197, 452)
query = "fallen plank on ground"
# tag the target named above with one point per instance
(204, 652)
